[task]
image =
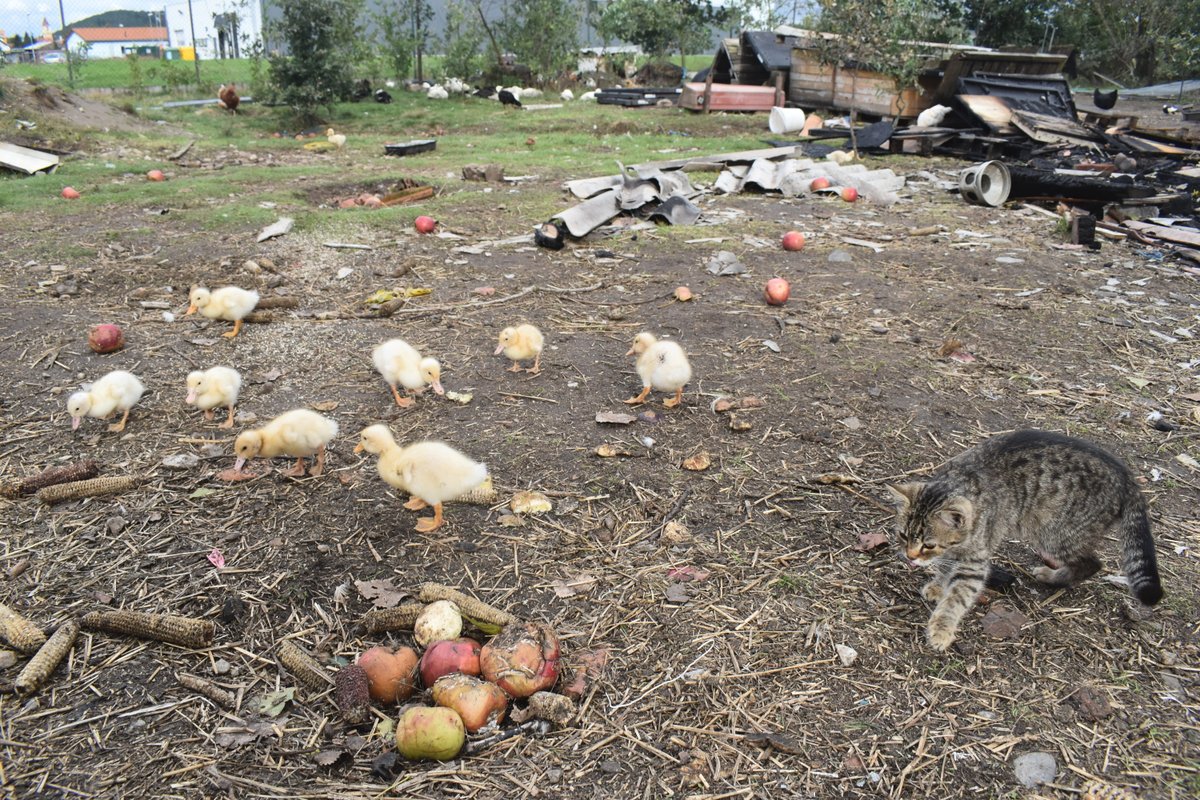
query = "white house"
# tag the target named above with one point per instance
(115, 42)
(223, 28)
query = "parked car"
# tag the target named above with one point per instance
(54, 58)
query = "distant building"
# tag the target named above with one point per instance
(224, 28)
(116, 42)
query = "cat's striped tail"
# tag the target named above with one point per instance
(1137, 556)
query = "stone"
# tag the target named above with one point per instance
(181, 461)
(846, 654)
(1033, 769)
(1092, 705)
(1002, 621)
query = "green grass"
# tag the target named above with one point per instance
(114, 73)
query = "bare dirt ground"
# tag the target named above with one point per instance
(722, 595)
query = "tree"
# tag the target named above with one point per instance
(320, 37)
(1010, 22)
(658, 26)
(1139, 41)
(461, 43)
(543, 34)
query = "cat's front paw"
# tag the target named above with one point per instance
(932, 590)
(939, 635)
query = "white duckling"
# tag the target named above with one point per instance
(662, 366)
(299, 434)
(213, 388)
(229, 303)
(336, 139)
(520, 344)
(117, 391)
(431, 472)
(400, 363)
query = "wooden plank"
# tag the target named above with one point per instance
(992, 111)
(739, 157)
(25, 159)
(1164, 232)
(727, 97)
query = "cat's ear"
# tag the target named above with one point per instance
(957, 513)
(904, 494)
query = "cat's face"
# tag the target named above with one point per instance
(929, 522)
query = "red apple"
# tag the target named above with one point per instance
(425, 224)
(391, 676)
(849, 194)
(449, 656)
(156, 175)
(777, 292)
(521, 659)
(820, 183)
(793, 240)
(69, 193)
(106, 338)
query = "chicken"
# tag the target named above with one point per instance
(336, 139)
(932, 116)
(400, 363)
(383, 96)
(117, 391)
(520, 344)
(213, 388)
(841, 157)
(437, 92)
(230, 303)
(588, 96)
(508, 98)
(567, 95)
(1104, 100)
(227, 97)
(485, 92)
(529, 94)
(662, 366)
(431, 472)
(298, 434)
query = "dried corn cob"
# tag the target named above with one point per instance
(277, 302)
(89, 488)
(482, 495)
(556, 708)
(303, 666)
(47, 658)
(475, 610)
(20, 632)
(400, 618)
(183, 631)
(259, 317)
(352, 695)
(210, 690)
(1098, 790)
(79, 471)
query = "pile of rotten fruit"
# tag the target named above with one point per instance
(473, 686)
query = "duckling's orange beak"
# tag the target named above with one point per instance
(499, 349)
(631, 353)
(191, 309)
(75, 423)
(437, 387)
(237, 465)
(191, 397)
(358, 448)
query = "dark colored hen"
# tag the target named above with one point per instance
(1104, 100)
(509, 99)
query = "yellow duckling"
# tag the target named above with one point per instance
(230, 303)
(400, 363)
(432, 472)
(662, 366)
(520, 344)
(337, 139)
(117, 391)
(297, 433)
(213, 388)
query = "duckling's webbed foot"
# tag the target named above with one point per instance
(120, 426)
(641, 398)
(674, 401)
(416, 504)
(297, 470)
(237, 328)
(427, 524)
(209, 414)
(228, 423)
(516, 367)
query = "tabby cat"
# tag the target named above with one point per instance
(1060, 494)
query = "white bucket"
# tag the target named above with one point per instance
(986, 184)
(786, 120)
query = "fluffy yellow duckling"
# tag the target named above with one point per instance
(297, 433)
(432, 472)
(662, 366)
(117, 391)
(338, 139)
(230, 303)
(400, 363)
(520, 344)
(213, 388)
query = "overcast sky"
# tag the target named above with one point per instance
(25, 16)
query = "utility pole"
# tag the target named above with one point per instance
(62, 18)
(195, 48)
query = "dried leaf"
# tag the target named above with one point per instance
(587, 667)
(217, 559)
(274, 703)
(675, 532)
(230, 475)
(245, 734)
(385, 729)
(610, 451)
(1093, 705)
(853, 423)
(775, 741)
(383, 765)
(325, 405)
(723, 404)
(510, 521)
(1002, 621)
(381, 593)
(530, 503)
(580, 584)
(615, 418)
(834, 478)
(772, 345)
(485, 291)
(678, 593)
(202, 492)
(1138, 383)
(687, 574)
(698, 462)
(869, 541)
(333, 758)
(846, 654)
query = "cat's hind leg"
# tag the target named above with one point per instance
(1063, 571)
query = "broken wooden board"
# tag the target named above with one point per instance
(1052, 130)
(26, 159)
(991, 111)
(1164, 233)
(728, 97)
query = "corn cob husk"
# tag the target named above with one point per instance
(482, 495)
(476, 611)
(303, 666)
(20, 632)
(94, 487)
(556, 708)
(352, 695)
(208, 689)
(1098, 790)
(78, 471)
(183, 631)
(258, 317)
(46, 659)
(400, 618)
(277, 302)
